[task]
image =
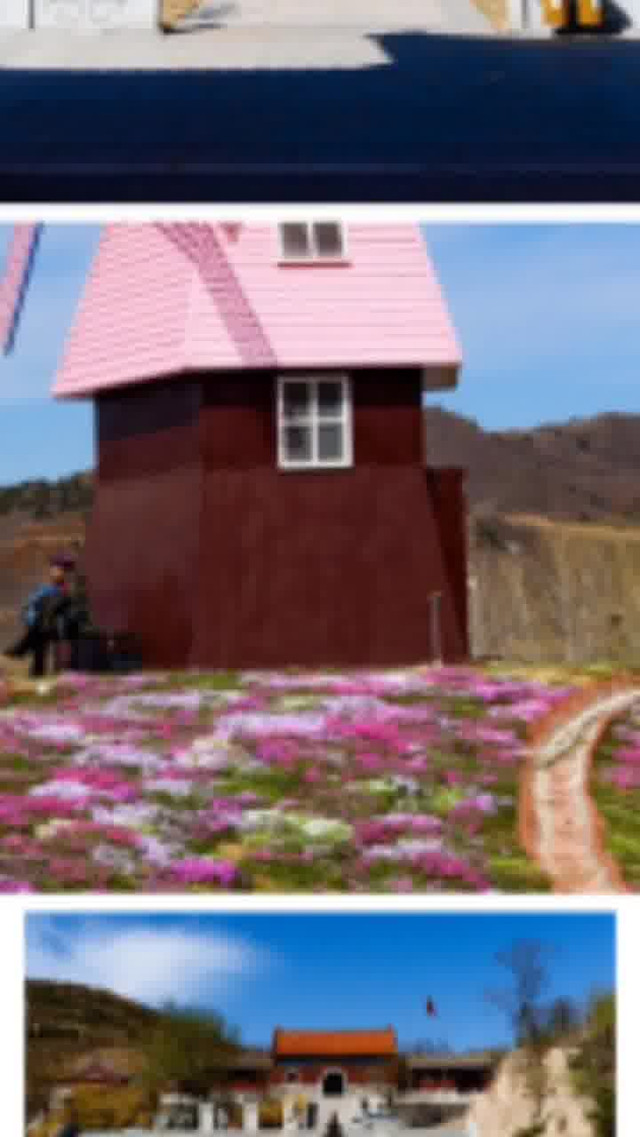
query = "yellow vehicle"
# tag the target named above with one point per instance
(566, 13)
(590, 13)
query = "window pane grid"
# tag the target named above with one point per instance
(303, 241)
(297, 418)
(330, 230)
(321, 436)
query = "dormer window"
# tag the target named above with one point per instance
(314, 418)
(302, 241)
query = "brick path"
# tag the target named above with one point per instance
(559, 824)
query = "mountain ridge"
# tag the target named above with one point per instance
(583, 469)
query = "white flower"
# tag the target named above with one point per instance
(56, 732)
(255, 819)
(392, 784)
(324, 827)
(66, 791)
(171, 786)
(52, 828)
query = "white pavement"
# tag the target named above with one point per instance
(227, 49)
(444, 17)
(241, 35)
(354, 1131)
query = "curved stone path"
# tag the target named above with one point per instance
(560, 826)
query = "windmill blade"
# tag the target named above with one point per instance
(15, 282)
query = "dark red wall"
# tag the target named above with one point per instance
(322, 568)
(357, 1073)
(238, 424)
(215, 557)
(143, 541)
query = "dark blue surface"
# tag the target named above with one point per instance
(447, 118)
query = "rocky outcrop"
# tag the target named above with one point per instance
(554, 592)
(510, 1107)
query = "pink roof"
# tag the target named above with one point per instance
(162, 299)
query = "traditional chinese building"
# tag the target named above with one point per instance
(334, 1062)
(250, 1074)
(434, 1073)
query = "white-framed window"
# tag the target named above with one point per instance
(315, 422)
(302, 241)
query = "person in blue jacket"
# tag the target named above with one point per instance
(44, 618)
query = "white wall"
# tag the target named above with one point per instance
(14, 13)
(81, 15)
(526, 15)
(631, 8)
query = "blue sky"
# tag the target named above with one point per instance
(548, 317)
(321, 971)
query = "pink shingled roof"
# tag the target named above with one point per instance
(165, 299)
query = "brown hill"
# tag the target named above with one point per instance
(583, 470)
(554, 525)
(91, 1015)
(68, 1024)
(25, 548)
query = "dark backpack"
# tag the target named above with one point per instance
(49, 609)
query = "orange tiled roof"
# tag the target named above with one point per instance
(317, 1043)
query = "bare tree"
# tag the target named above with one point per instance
(526, 960)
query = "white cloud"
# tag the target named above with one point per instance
(140, 961)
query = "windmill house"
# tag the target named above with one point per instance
(261, 493)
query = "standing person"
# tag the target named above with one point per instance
(43, 615)
(76, 615)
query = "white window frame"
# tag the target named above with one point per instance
(345, 419)
(313, 257)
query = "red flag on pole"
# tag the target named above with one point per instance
(15, 281)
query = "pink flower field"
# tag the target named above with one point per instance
(616, 790)
(385, 781)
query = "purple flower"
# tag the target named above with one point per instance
(201, 870)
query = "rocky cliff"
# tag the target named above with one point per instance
(545, 591)
(509, 1108)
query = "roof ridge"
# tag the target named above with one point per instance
(200, 242)
(337, 1030)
